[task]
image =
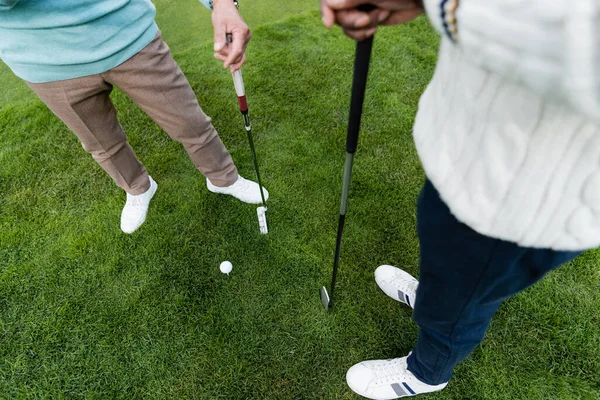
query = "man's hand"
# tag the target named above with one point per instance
(360, 24)
(226, 19)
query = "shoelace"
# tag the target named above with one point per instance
(388, 371)
(406, 285)
(134, 201)
(243, 184)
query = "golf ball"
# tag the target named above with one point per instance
(226, 267)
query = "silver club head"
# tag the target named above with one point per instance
(262, 220)
(325, 298)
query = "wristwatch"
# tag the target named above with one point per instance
(210, 3)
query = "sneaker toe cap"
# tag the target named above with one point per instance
(131, 221)
(130, 226)
(384, 272)
(255, 197)
(359, 378)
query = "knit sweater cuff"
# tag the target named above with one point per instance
(442, 14)
(206, 4)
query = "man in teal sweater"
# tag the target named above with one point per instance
(72, 53)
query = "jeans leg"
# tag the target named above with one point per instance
(464, 277)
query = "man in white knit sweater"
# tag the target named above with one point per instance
(508, 132)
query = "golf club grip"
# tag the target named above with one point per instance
(238, 82)
(359, 84)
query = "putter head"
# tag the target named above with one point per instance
(325, 298)
(262, 219)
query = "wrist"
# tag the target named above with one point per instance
(217, 3)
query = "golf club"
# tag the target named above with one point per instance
(359, 83)
(241, 95)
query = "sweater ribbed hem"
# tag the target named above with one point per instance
(51, 73)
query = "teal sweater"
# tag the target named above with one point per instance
(53, 40)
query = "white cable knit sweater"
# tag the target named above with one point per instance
(508, 130)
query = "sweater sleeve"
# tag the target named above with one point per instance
(553, 47)
(7, 4)
(206, 4)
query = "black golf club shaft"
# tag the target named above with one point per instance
(359, 83)
(254, 158)
(239, 84)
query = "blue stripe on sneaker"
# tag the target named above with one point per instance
(398, 389)
(407, 300)
(400, 295)
(408, 387)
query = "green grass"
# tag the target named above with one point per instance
(88, 312)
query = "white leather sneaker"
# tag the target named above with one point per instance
(386, 380)
(136, 208)
(397, 284)
(243, 190)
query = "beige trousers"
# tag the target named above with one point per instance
(155, 82)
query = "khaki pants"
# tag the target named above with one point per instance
(155, 82)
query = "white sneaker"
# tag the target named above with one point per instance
(243, 190)
(136, 208)
(397, 284)
(386, 380)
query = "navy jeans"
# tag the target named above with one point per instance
(463, 278)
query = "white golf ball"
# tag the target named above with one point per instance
(226, 267)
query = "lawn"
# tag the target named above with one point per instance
(89, 312)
